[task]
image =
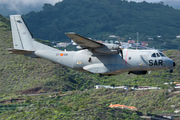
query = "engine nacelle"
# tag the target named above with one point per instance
(112, 46)
(138, 72)
(79, 47)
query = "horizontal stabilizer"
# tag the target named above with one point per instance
(19, 51)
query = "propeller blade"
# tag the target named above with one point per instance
(120, 50)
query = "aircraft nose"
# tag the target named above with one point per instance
(174, 64)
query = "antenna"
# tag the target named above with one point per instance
(137, 40)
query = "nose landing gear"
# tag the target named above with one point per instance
(171, 70)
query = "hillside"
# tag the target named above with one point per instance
(91, 104)
(100, 18)
(4, 24)
(19, 73)
(22, 75)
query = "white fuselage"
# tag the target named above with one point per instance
(108, 64)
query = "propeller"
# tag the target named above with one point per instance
(120, 50)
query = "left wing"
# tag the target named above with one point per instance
(83, 41)
(86, 43)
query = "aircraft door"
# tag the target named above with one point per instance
(144, 60)
(83, 60)
(79, 60)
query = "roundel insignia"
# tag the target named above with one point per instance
(61, 54)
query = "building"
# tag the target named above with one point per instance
(144, 43)
(150, 39)
(143, 87)
(177, 85)
(177, 36)
(106, 86)
(100, 41)
(131, 41)
(159, 36)
(148, 88)
(63, 44)
(166, 83)
(112, 36)
(102, 86)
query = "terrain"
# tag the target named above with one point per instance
(98, 19)
(20, 75)
(91, 104)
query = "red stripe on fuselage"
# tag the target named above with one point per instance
(126, 58)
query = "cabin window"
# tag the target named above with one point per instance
(162, 55)
(157, 55)
(129, 58)
(153, 55)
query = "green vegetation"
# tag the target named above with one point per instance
(19, 74)
(65, 108)
(4, 23)
(92, 104)
(100, 18)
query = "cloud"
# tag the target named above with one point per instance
(28, 2)
(21, 5)
(165, 1)
(25, 6)
(174, 3)
(146, 0)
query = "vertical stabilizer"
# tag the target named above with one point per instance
(22, 39)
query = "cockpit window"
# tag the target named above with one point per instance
(162, 55)
(157, 55)
(153, 55)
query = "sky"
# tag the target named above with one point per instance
(155, 0)
(20, 5)
(28, 2)
(14, 3)
(145, 0)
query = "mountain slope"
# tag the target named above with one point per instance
(19, 73)
(92, 104)
(4, 23)
(103, 17)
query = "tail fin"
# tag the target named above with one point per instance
(22, 38)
